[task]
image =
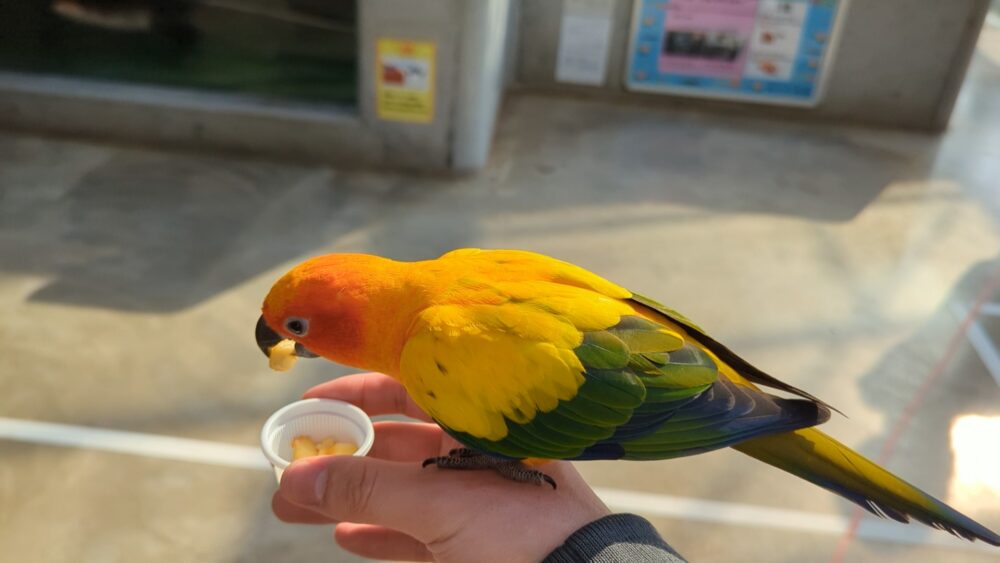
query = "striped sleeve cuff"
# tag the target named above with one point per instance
(612, 539)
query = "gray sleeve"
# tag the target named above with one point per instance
(613, 539)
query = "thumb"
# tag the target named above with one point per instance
(401, 496)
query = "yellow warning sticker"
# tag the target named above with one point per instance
(404, 80)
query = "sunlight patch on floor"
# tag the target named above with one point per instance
(976, 475)
(989, 39)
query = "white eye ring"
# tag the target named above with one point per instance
(297, 326)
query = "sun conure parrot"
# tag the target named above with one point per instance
(519, 356)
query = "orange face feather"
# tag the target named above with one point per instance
(353, 306)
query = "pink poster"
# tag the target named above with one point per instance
(707, 37)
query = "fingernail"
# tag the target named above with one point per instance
(304, 482)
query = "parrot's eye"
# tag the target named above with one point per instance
(297, 326)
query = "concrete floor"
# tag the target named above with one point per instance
(130, 280)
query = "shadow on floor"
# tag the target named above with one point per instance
(723, 164)
(158, 231)
(152, 231)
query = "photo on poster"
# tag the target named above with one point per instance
(713, 45)
(398, 72)
(771, 51)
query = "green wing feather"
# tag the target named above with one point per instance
(745, 368)
(610, 393)
(638, 376)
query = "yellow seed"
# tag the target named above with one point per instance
(303, 446)
(344, 448)
(281, 356)
(326, 447)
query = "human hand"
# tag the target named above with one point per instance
(386, 506)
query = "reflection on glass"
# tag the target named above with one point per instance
(292, 49)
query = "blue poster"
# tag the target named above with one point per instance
(772, 51)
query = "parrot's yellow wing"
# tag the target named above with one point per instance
(564, 372)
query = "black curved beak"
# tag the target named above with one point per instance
(267, 338)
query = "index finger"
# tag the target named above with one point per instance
(374, 393)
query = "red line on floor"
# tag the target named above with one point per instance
(984, 294)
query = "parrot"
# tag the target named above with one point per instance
(525, 358)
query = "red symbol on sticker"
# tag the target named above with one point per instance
(392, 75)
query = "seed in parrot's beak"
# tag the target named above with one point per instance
(267, 338)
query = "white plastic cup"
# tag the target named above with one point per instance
(319, 419)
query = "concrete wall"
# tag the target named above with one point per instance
(900, 62)
(412, 145)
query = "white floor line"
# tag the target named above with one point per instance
(135, 443)
(646, 504)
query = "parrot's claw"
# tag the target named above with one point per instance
(465, 458)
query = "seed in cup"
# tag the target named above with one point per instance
(304, 446)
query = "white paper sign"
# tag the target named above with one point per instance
(584, 38)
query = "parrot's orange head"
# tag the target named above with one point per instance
(333, 306)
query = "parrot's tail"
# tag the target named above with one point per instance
(818, 458)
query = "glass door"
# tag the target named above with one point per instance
(302, 50)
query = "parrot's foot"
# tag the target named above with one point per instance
(512, 469)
